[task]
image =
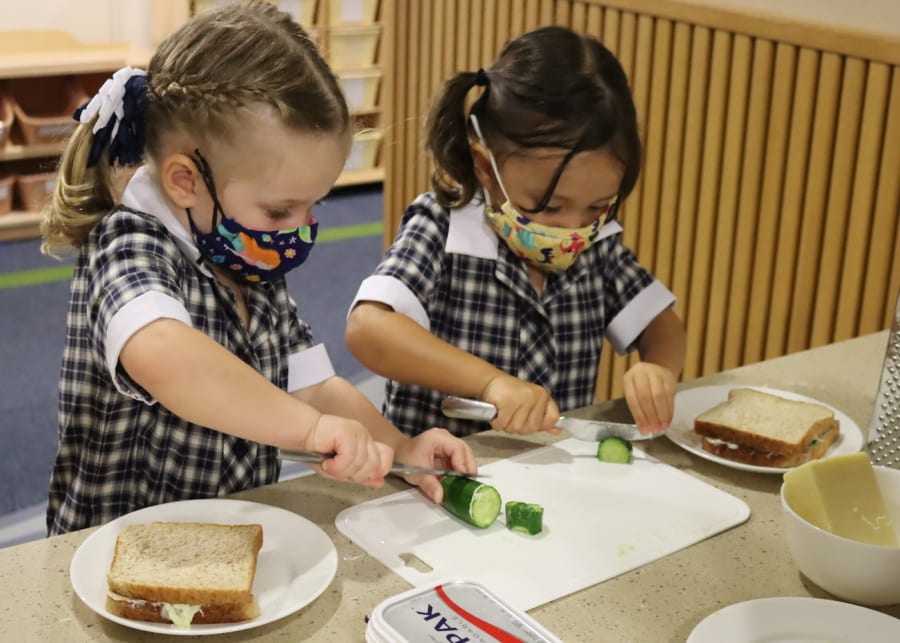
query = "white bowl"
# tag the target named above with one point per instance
(854, 571)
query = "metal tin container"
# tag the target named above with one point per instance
(452, 611)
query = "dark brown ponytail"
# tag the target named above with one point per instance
(447, 140)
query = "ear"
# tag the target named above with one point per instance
(181, 180)
(484, 172)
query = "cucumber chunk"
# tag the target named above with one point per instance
(615, 450)
(476, 503)
(524, 517)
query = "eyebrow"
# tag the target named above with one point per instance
(284, 203)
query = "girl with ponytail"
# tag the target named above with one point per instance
(185, 367)
(504, 280)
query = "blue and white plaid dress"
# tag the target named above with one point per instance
(119, 450)
(451, 274)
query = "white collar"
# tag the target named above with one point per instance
(471, 234)
(144, 195)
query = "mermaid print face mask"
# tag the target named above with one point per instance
(249, 255)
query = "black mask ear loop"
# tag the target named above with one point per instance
(206, 174)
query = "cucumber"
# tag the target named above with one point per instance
(614, 449)
(476, 503)
(524, 517)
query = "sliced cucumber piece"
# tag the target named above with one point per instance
(614, 449)
(524, 517)
(476, 503)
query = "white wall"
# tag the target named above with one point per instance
(90, 21)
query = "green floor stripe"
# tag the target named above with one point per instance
(34, 277)
(327, 235)
(63, 273)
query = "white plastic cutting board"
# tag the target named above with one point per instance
(600, 520)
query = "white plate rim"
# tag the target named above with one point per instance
(93, 557)
(790, 617)
(682, 431)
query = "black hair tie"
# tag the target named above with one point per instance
(481, 78)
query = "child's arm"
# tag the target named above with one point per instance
(199, 380)
(433, 448)
(650, 384)
(393, 345)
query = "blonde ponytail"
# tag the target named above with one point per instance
(81, 198)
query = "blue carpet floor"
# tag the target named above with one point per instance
(32, 327)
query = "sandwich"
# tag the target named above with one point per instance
(184, 573)
(767, 430)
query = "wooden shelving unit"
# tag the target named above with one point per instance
(360, 177)
(13, 152)
(30, 54)
(27, 54)
(17, 225)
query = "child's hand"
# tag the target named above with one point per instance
(522, 407)
(650, 394)
(437, 449)
(358, 458)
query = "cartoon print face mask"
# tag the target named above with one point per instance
(548, 248)
(249, 255)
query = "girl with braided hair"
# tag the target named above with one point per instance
(504, 280)
(185, 365)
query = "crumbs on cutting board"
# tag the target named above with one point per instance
(625, 549)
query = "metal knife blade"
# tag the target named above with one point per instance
(587, 430)
(318, 458)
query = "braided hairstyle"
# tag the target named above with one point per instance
(199, 81)
(550, 87)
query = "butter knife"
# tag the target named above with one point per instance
(587, 430)
(318, 458)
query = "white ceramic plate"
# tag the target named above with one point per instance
(694, 401)
(796, 619)
(297, 561)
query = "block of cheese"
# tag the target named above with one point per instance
(841, 495)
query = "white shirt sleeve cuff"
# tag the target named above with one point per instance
(394, 293)
(132, 317)
(309, 367)
(631, 321)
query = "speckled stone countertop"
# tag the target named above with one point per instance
(662, 601)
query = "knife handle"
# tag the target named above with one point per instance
(305, 456)
(463, 409)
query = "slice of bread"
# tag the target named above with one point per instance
(766, 423)
(186, 563)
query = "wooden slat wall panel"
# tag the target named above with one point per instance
(786, 246)
(887, 203)
(750, 221)
(672, 128)
(767, 223)
(691, 157)
(820, 326)
(818, 179)
(695, 314)
(856, 249)
(726, 251)
(769, 196)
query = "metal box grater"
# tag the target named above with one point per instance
(884, 431)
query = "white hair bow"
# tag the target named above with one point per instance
(107, 102)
